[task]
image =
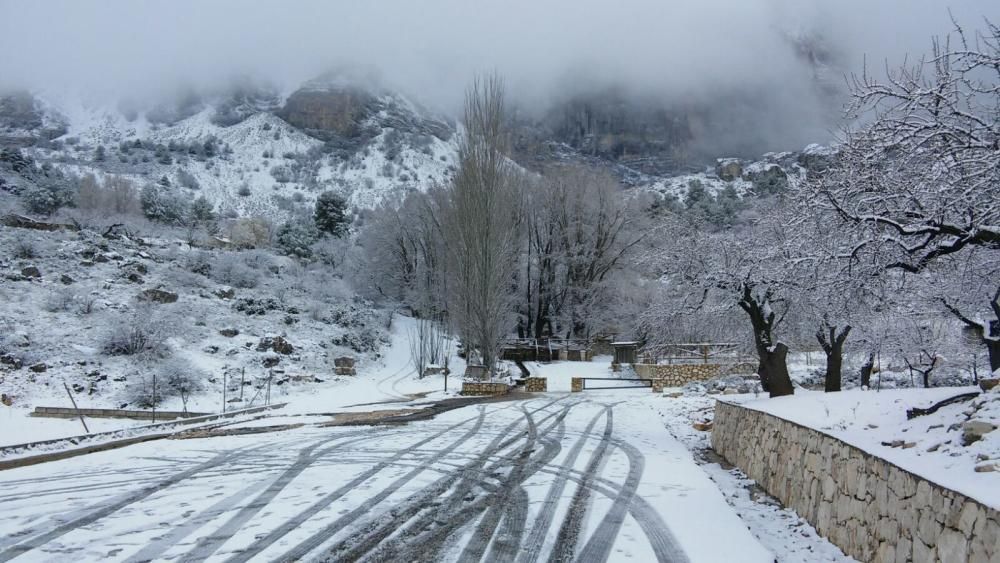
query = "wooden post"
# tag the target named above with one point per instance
(270, 375)
(154, 397)
(76, 408)
(225, 383)
(243, 374)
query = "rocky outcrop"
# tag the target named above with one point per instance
(325, 113)
(158, 296)
(867, 506)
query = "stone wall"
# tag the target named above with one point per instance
(676, 375)
(479, 389)
(536, 385)
(870, 508)
(61, 412)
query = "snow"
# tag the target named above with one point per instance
(16, 427)
(930, 446)
(781, 530)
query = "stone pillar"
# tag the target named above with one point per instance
(576, 385)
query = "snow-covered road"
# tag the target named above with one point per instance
(561, 477)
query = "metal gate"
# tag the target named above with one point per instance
(640, 383)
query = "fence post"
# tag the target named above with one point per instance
(76, 408)
(154, 397)
(243, 374)
(225, 383)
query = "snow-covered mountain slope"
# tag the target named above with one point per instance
(381, 146)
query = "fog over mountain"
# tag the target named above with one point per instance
(781, 62)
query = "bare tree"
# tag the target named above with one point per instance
(743, 270)
(428, 345)
(580, 228)
(481, 225)
(921, 176)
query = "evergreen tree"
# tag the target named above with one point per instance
(295, 238)
(331, 214)
(202, 210)
(99, 154)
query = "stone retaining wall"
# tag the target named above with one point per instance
(870, 508)
(536, 385)
(480, 389)
(60, 412)
(676, 375)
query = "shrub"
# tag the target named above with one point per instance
(48, 196)
(58, 300)
(160, 203)
(138, 333)
(229, 270)
(175, 377)
(24, 248)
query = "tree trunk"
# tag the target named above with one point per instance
(833, 345)
(772, 368)
(993, 347)
(776, 368)
(833, 364)
(866, 370)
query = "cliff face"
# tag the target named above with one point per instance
(325, 113)
(645, 137)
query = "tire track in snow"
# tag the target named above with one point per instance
(476, 547)
(425, 541)
(434, 513)
(570, 530)
(542, 522)
(97, 512)
(208, 544)
(321, 536)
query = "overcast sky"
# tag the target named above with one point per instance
(431, 48)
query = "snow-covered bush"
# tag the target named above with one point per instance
(58, 300)
(228, 269)
(174, 377)
(24, 248)
(163, 204)
(296, 238)
(139, 332)
(47, 197)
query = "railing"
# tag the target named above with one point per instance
(694, 353)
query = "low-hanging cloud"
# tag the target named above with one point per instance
(668, 50)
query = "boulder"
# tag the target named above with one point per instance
(276, 343)
(31, 272)
(271, 360)
(225, 293)
(39, 368)
(729, 169)
(974, 430)
(158, 296)
(987, 384)
(11, 360)
(65, 279)
(229, 332)
(344, 362)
